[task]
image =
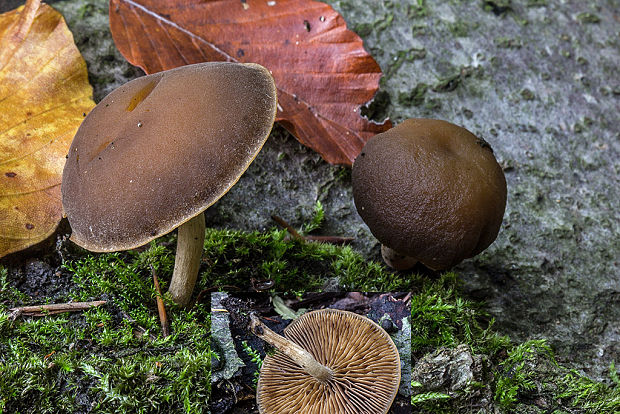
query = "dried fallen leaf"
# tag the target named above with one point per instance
(44, 94)
(321, 69)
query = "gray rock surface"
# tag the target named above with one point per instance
(450, 370)
(229, 362)
(539, 80)
(402, 340)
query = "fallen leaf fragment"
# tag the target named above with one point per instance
(322, 72)
(44, 95)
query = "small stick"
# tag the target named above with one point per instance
(43, 310)
(322, 239)
(287, 226)
(161, 308)
(330, 239)
(270, 319)
(137, 328)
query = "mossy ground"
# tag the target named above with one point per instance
(114, 358)
(518, 377)
(110, 359)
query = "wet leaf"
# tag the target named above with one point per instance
(44, 94)
(321, 69)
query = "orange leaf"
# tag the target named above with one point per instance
(44, 94)
(321, 69)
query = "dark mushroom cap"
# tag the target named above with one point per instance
(364, 361)
(160, 149)
(431, 190)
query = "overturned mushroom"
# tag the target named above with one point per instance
(429, 191)
(330, 361)
(159, 150)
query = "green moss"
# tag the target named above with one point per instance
(591, 396)
(317, 219)
(114, 359)
(403, 56)
(508, 43)
(522, 376)
(447, 84)
(527, 94)
(363, 29)
(415, 97)
(530, 372)
(460, 28)
(536, 3)
(256, 359)
(586, 17)
(110, 359)
(441, 317)
(426, 398)
(516, 377)
(237, 259)
(384, 23)
(418, 10)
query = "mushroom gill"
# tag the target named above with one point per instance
(362, 358)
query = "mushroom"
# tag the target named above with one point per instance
(430, 191)
(329, 361)
(159, 150)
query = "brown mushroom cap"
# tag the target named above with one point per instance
(160, 149)
(364, 362)
(431, 190)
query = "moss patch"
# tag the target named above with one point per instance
(506, 377)
(114, 359)
(243, 260)
(111, 359)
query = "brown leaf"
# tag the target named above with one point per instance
(44, 94)
(321, 69)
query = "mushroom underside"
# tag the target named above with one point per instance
(364, 362)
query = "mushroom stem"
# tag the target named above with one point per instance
(289, 348)
(191, 237)
(396, 260)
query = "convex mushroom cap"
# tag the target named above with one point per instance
(360, 362)
(159, 150)
(430, 191)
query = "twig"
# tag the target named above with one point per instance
(137, 328)
(270, 319)
(44, 310)
(322, 239)
(161, 308)
(330, 239)
(287, 226)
